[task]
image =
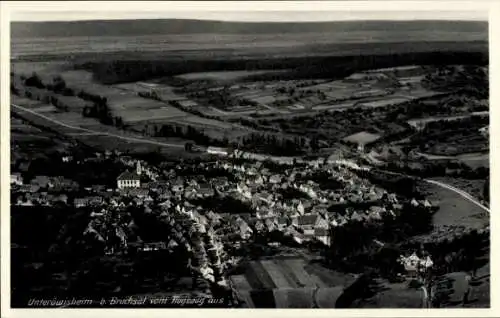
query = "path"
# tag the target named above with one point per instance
(131, 139)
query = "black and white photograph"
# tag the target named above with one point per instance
(183, 157)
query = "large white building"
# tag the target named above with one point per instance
(130, 179)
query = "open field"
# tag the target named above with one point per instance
(474, 160)
(473, 187)
(455, 210)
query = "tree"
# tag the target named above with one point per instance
(486, 189)
(188, 146)
(34, 81)
(13, 89)
(363, 288)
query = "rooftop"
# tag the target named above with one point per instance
(127, 175)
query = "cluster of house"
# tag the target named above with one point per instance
(174, 198)
(41, 190)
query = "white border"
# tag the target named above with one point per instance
(7, 8)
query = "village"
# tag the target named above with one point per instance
(214, 208)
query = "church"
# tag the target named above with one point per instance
(130, 179)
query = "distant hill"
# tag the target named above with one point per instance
(183, 26)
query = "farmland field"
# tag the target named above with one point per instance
(289, 273)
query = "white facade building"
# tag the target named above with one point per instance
(128, 180)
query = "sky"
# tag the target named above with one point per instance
(251, 16)
(248, 11)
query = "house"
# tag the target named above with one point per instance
(485, 131)
(259, 226)
(95, 200)
(24, 166)
(283, 223)
(307, 221)
(81, 202)
(128, 180)
(297, 237)
(205, 190)
(138, 192)
(178, 185)
(217, 151)
(61, 198)
(41, 181)
(98, 188)
(244, 229)
(322, 235)
(411, 263)
(67, 158)
(355, 216)
(27, 188)
(16, 178)
(275, 179)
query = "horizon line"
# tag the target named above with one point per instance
(261, 21)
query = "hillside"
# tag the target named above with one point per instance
(461, 29)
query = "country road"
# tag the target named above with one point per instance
(100, 133)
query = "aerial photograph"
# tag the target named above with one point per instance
(250, 160)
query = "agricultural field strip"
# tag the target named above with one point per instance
(296, 272)
(258, 277)
(306, 277)
(321, 279)
(275, 271)
(241, 282)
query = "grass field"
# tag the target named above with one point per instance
(455, 210)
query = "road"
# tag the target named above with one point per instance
(100, 133)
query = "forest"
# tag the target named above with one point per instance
(120, 71)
